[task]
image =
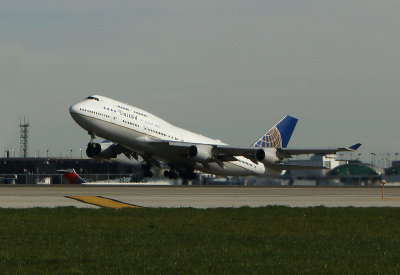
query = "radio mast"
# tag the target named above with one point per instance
(23, 130)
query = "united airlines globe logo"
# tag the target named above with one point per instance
(272, 139)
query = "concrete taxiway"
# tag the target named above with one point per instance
(20, 196)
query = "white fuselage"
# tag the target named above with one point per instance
(133, 128)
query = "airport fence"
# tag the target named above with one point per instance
(44, 179)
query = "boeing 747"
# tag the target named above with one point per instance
(141, 135)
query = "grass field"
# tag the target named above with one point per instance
(194, 241)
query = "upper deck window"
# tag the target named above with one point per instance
(92, 97)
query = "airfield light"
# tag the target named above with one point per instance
(383, 182)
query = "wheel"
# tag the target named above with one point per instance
(146, 167)
(148, 174)
(167, 173)
(171, 174)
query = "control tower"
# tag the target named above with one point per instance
(23, 126)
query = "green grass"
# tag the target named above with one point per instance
(193, 241)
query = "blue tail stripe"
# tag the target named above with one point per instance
(80, 180)
(286, 128)
(355, 147)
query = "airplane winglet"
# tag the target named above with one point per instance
(354, 147)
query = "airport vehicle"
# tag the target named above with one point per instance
(141, 135)
(73, 178)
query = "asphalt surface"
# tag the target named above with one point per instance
(23, 196)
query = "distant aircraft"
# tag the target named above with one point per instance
(141, 135)
(73, 178)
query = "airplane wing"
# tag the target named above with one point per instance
(228, 153)
(219, 150)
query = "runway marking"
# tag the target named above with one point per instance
(103, 201)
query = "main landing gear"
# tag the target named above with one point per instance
(186, 173)
(171, 174)
(146, 170)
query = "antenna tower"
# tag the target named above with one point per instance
(23, 130)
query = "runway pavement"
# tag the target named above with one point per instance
(22, 196)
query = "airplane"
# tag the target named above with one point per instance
(73, 178)
(147, 138)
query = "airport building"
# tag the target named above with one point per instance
(44, 170)
(25, 168)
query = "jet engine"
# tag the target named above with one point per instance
(100, 150)
(200, 152)
(267, 156)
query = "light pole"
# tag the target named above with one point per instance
(47, 151)
(71, 153)
(14, 152)
(373, 158)
(80, 149)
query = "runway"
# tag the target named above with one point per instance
(22, 196)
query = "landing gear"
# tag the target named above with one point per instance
(148, 174)
(146, 171)
(187, 174)
(171, 174)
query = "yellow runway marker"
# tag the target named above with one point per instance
(103, 202)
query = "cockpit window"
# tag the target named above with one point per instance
(92, 97)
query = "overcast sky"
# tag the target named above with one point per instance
(226, 69)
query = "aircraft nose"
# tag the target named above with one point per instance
(74, 108)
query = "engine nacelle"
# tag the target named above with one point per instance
(267, 156)
(100, 150)
(200, 152)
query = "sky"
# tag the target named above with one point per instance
(227, 69)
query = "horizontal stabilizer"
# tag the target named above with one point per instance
(287, 153)
(284, 166)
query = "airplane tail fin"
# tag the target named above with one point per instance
(72, 177)
(279, 135)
